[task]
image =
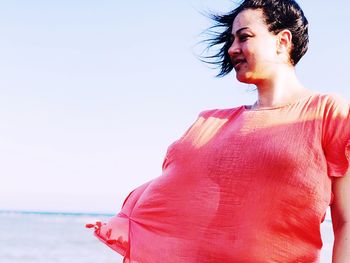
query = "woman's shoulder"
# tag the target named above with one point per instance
(332, 98)
(334, 103)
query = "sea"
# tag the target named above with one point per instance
(45, 237)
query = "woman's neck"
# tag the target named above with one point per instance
(283, 88)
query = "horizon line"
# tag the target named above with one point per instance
(70, 213)
(66, 213)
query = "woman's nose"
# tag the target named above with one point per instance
(234, 49)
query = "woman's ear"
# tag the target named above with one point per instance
(284, 41)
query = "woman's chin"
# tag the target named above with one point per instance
(247, 77)
(243, 79)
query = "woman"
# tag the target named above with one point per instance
(252, 183)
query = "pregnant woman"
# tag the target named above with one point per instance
(251, 183)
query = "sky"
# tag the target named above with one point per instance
(93, 92)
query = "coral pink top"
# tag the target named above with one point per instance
(241, 185)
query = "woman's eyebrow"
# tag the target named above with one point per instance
(240, 30)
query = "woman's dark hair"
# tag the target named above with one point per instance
(278, 14)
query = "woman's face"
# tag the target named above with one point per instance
(254, 49)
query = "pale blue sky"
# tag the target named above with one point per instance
(93, 92)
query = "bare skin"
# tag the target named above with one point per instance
(262, 58)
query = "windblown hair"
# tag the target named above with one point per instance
(278, 15)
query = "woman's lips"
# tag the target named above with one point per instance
(238, 63)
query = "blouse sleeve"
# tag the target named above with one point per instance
(336, 136)
(187, 131)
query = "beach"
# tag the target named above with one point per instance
(41, 237)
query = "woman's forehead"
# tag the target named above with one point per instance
(248, 19)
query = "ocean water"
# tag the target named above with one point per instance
(51, 237)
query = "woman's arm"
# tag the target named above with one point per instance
(340, 211)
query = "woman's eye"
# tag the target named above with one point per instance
(243, 38)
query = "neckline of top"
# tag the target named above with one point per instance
(249, 107)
